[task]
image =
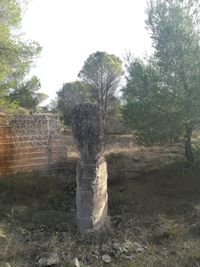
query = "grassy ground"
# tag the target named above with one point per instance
(154, 208)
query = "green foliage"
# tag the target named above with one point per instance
(26, 94)
(102, 72)
(75, 93)
(115, 122)
(144, 111)
(162, 96)
(10, 18)
(177, 52)
(16, 55)
(70, 95)
(9, 107)
(98, 83)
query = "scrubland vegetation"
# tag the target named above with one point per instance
(152, 150)
(154, 211)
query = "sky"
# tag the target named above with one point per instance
(70, 30)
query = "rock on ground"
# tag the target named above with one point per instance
(48, 260)
(76, 263)
(106, 258)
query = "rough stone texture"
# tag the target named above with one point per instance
(88, 131)
(91, 195)
(76, 263)
(51, 259)
(30, 142)
(91, 173)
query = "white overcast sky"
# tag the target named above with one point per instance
(70, 30)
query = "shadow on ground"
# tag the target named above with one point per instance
(154, 205)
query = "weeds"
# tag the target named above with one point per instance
(152, 189)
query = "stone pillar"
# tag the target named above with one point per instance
(91, 172)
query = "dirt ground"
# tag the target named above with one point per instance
(154, 211)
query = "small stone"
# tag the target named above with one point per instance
(48, 259)
(120, 248)
(76, 263)
(138, 247)
(128, 257)
(106, 258)
(128, 245)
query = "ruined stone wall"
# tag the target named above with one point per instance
(30, 142)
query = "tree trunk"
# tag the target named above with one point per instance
(188, 144)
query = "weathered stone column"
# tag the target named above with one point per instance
(91, 173)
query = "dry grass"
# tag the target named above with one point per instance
(153, 200)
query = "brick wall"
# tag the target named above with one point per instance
(30, 142)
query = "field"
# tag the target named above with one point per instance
(154, 211)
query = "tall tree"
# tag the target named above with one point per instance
(143, 110)
(102, 72)
(174, 28)
(16, 55)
